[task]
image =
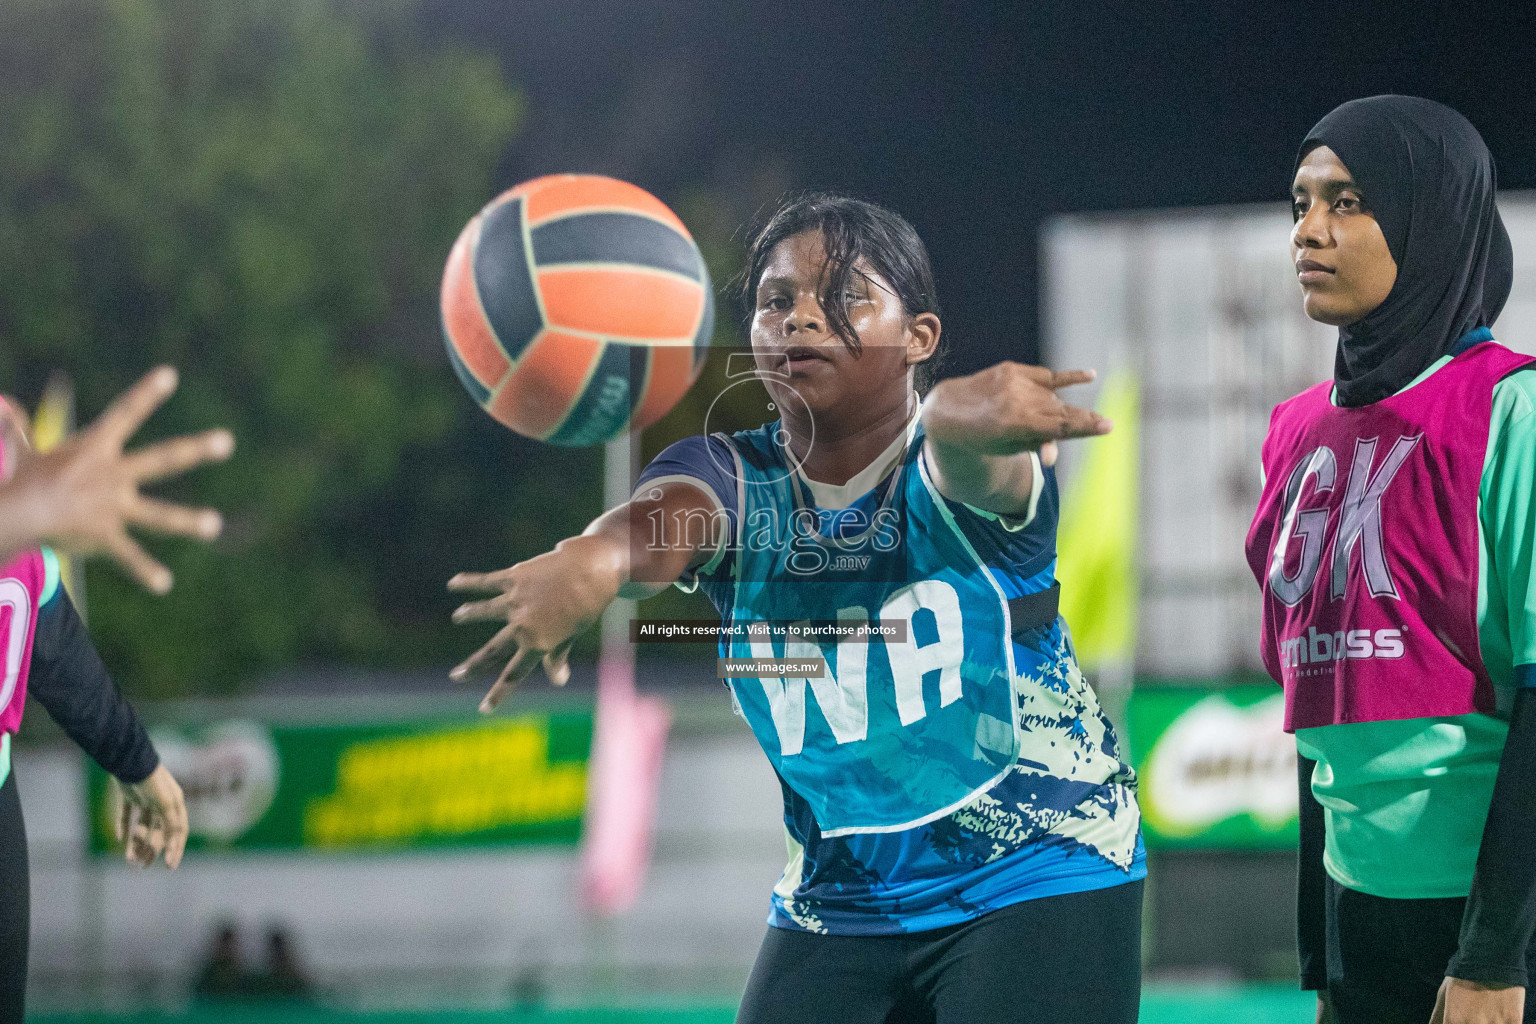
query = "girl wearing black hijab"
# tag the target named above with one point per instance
(1395, 545)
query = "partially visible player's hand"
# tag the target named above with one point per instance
(1325, 1014)
(545, 602)
(153, 819)
(1009, 408)
(87, 488)
(1469, 1002)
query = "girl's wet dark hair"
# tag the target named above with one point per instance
(852, 230)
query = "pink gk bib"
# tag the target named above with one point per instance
(1365, 544)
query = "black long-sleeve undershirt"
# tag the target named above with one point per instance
(1311, 884)
(1501, 911)
(68, 679)
(1500, 917)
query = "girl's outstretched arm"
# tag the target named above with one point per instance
(69, 680)
(637, 549)
(982, 429)
(83, 495)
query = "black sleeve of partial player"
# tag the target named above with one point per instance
(1501, 911)
(69, 680)
(1311, 884)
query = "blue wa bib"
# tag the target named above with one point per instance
(895, 734)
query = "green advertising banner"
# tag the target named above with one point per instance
(1217, 771)
(440, 782)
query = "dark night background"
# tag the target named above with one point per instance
(977, 120)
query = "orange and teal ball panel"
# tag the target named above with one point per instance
(576, 307)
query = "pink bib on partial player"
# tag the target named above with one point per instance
(22, 583)
(1365, 545)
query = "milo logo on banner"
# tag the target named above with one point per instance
(228, 774)
(1216, 768)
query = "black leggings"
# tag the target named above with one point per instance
(1062, 958)
(15, 904)
(1387, 958)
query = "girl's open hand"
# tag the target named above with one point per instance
(1033, 417)
(84, 494)
(1467, 1002)
(153, 819)
(544, 602)
(1010, 408)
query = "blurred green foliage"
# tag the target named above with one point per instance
(262, 193)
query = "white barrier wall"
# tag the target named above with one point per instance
(456, 928)
(1203, 305)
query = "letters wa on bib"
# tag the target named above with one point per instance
(929, 781)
